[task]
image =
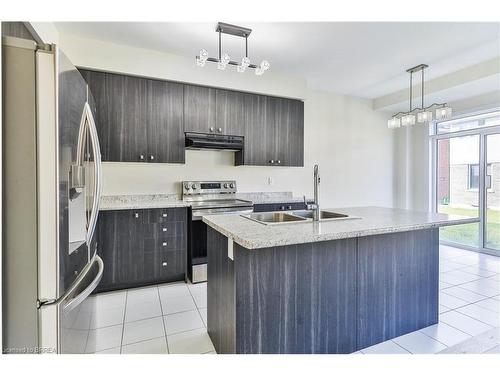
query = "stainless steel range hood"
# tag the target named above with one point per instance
(219, 142)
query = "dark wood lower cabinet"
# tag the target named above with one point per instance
(142, 247)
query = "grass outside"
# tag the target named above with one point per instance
(468, 234)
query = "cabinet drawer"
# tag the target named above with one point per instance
(166, 215)
(166, 264)
(171, 229)
(164, 244)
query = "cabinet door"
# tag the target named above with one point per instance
(134, 116)
(165, 123)
(289, 140)
(122, 106)
(282, 131)
(296, 134)
(120, 247)
(230, 112)
(259, 131)
(199, 109)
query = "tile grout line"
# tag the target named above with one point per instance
(406, 350)
(162, 319)
(123, 324)
(449, 325)
(197, 308)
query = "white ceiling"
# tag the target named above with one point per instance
(365, 59)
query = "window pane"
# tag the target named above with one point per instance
(472, 122)
(457, 170)
(492, 230)
(474, 176)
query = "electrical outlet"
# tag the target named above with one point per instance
(270, 181)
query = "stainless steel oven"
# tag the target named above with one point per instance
(207, 198)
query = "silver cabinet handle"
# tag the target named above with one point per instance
(219, 130)
(151, 157)
(212, 129)
(136, 215)
(141, 157)
(164, 264)
(278, 161)
(164, 215)
(164, 229)
(164, 244)
(271, 161)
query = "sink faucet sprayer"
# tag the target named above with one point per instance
(315, 206)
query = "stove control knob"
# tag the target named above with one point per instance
(194, 187)
(187, 187)
(226, 185)
(231, 185)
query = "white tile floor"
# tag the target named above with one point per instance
(167, 318)
(172, 318)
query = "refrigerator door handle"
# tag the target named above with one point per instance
(97, 173)
(77, 174)
(81, 296)
(74, 301)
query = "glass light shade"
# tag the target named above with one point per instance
(245, 61)
(264, 65)
(225, 59)
(203, 54)
(443, 113)
(424, 117)
(259, 71)
(394, 123)
(200, 62)
(408, 120)
(240, 68)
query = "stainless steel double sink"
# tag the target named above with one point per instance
(303, 216)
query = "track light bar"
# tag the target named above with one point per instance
(423, 114)
(224, 59)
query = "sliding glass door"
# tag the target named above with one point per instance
(492, 194)
(458, 186)
(467, 179)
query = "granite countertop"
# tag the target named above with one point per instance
(372, 220)
(130, 202)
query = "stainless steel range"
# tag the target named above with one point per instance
(207, 198)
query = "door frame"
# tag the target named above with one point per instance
(482, 133)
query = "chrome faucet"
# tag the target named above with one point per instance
(315, 206)
(317, 180)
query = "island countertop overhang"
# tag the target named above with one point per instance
(372, 221)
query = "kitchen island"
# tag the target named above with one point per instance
(322, 287)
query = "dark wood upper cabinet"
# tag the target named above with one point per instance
(230, 112)
(137, 119)
(199, 109)
(165, 130)
(144, 120)
(274, 132)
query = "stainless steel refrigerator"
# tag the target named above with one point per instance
(51, 190)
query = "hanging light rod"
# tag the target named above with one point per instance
(423, 114)
(223, 60)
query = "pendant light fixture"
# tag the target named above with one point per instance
(423, 115)
(224, 59)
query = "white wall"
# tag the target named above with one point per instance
(344, 135)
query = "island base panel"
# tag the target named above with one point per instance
(322, 297)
